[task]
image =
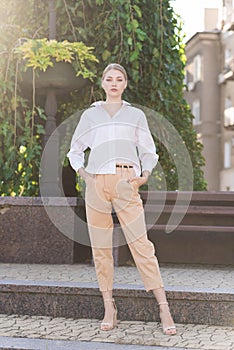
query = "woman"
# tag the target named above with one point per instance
(121, 159)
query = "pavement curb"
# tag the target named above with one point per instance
(8, 343)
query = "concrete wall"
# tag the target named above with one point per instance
(207, 91)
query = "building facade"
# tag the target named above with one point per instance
(210, 94)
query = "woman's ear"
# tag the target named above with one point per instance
(102, 84)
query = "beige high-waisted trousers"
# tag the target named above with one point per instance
(107, 191)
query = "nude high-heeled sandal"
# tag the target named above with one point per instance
(170, 330)
(107, 326)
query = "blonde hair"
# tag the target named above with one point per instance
(115, 66)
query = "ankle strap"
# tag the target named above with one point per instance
(109, 300)
(163, 303)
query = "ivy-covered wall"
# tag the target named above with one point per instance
(142, 35)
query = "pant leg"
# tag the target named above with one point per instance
(100, 225)
(130, 212)
(143, 253)
(104, 267)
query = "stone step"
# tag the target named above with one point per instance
(83, 300)
(196, 294)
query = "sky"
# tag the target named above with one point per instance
(192, 13)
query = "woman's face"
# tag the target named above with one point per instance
(114, 83)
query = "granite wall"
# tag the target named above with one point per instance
(28, 235)
(204, 236)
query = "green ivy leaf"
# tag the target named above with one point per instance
(105, 55)
(138, 10)
(129, 41)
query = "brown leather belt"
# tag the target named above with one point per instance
(123, 166)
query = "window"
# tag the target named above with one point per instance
(228, 102)
(227, 59)
(196, 112)
(189, 72)
(228, 113)
(186, 78)
(227, 16)
(193, 71)
(197, 68)
(228, 3)
(227, 154)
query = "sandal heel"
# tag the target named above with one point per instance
(107, 326)
(167, 330)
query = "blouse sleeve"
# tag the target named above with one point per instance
(79, 143)
(145, 145)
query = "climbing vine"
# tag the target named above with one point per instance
(21, 119)
(143, 35)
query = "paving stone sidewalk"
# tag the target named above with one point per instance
(193, 276)
(128, 333)
(141, 334)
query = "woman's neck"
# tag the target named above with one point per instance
(112, 106)
(113, 101)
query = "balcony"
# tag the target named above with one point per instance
(229, 18)
(228, 72)
(229, 118)
(191, 86)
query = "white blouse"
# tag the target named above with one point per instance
(124, 138)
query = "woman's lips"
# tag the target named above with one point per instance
(114, 90)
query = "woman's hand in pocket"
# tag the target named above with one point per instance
(84, 174)
(140, 180)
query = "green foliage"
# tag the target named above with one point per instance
(21, 122)
(21, 125)
(145, 37)
(142, 35)
(20, 162)
(41, 53)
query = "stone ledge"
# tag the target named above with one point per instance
(83, 300)
(28, 235)
(39, 201)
